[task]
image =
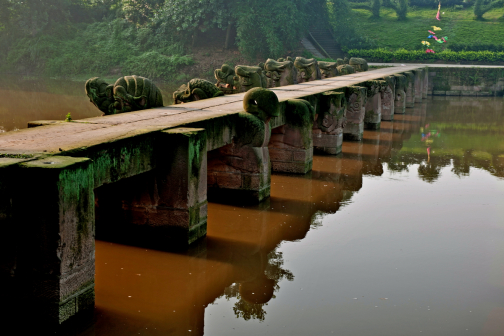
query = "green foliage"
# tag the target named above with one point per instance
(458, 25)
(373, 6)
(68, 117)
(385, 55)
(476, 46)
(483, 6)
(342, 20)
(399, 6)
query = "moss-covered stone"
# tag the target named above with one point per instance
(129, 93)
(196, 89)
(250, 77)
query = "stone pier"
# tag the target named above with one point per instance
(400, 93)
(373, 112)
(355, 112)
(388, 98)
(410, 89)
(328, 126)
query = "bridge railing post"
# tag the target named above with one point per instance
(328, 127)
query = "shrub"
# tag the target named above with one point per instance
(385, 55)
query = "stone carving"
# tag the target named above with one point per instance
(328, 69)
(400, 94)
(373, 109)
(339, 61)
(291, 145)
(387, 99)
(328, 126)
(280, 73)
(345, 69)
(359, 64)
(355, 111)
(226, 77)
(129, 93)
(242, 168)
(308, 69)
(249, 77)
(196, 89)
(410, 89)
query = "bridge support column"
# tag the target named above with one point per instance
(425, 88)
(52, 273)
(400, 94)
(169, 205)
(239, 173)
(373, 114)
(410, 89)
(387, 99)
(328, 126)
(291, 145)
(356, 108)
(419, 78)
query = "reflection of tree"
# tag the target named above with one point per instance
(461, 165)
(254, 295)
(429, 171)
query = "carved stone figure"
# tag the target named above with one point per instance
(400, 94)
(339, 61)
(345, 69)
(387, 99)
(328, 126)
(328, 69)
(308, 69)
(226, 78)
(291, 145)
(372, 117)
(249, 77)
(280, 73)
(242, 168)
(196, 89)
(129, 93)
(355, 111)
(359, 64)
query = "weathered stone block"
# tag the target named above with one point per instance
(400, 93)
(328, 127)
(419, 78)
(56, 264)
(387, 99)
(355, 112)
(410, 89)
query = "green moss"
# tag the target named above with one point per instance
(16, 156)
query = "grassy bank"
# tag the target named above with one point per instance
(459, 25)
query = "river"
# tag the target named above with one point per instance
(401, 234)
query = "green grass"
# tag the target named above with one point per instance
(459, 25)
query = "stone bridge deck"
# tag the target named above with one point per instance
(64, 138)
(146, 172)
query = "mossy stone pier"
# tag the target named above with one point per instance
(146, 174)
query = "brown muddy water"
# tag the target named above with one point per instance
(401, 234)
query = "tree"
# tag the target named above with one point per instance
(481, 8)
(399, 6)
(373, 6)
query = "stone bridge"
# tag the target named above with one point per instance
(149, 173)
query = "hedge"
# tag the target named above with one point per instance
(385, 55)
